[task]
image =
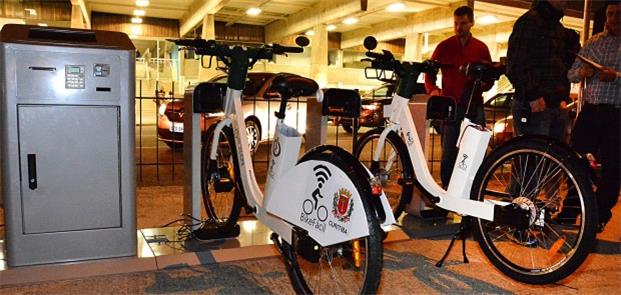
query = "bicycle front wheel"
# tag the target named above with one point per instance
(392, 169)
(220, 197)
(549, 181)
(352, 267)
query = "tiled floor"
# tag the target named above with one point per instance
(159, 248)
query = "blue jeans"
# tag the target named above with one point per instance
(552, 122)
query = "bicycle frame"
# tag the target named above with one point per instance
(473, 140)
(276, 208)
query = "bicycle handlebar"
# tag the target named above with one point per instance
(387, 61)
(237, 58)
(223, 51)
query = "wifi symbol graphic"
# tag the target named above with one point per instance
(322, 173)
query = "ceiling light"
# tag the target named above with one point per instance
(487, 19)
(139, 12)
(142, 3)
(136, 20)
(396, 7)
(31, 11)
(350, 21)
(136, 30)
(253, 11)
(42, 25)
(330, 27)
(310, 33)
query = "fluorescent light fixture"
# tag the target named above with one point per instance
(142, 3)
(350, 21)
(487, 19)
(310, 33)
(136, 20)
(31, 11)
(139, 12)
(42, 25)
(253, 11)
(396, 7)
(330, 27)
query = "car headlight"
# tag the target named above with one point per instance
(162, 109)
(371, 107)
(499, 127)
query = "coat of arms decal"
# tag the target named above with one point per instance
(342, 205)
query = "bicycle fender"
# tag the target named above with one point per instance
(320, 198)
(378, 205)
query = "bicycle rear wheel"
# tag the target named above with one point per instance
(353, 267)
(392, 169)
(549, 181)
(221, 199)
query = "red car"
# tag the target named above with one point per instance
(258, 103)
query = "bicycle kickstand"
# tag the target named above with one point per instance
(462, 234)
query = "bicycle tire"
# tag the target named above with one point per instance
(222, 207)
(302, 271)
(551, 248)
(398, 194)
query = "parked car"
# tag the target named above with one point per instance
(372, 107)
(259, 105)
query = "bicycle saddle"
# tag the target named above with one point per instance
(293, 86)
(483, 70)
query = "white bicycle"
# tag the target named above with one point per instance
(515, 194)
(322, 208)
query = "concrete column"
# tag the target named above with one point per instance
(316, 125)
(209, 33)
(319, 55)
(76, 17)
(413, 47)
(339, 58)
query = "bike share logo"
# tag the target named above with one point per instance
(342, 206)
(462, 164)
(275, 153)
(410, 138)
(314, 214)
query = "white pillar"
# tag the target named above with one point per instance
(316, 125)
(192, 135)
(76, 17)
(209, 33)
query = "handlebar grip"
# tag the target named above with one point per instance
(374, 55)
(279, 49)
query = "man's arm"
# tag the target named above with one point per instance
(579, 69)
(430, 79)
(486, 56)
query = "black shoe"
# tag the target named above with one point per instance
(600, 226)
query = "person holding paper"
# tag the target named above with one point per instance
(598, 127)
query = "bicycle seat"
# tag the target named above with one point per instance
(484, 70)
(292, 86)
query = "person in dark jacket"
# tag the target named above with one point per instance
(537, 68)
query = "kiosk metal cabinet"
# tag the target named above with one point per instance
(67, 144)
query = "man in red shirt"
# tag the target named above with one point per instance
(452, 53)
